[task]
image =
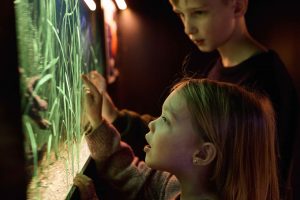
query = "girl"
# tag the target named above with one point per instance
(213, 140)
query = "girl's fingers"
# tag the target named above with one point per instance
(93, 102)
(98, 80)
(85, 185)
(86, 178)
(89, 84)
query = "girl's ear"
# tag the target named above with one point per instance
(240, 7)
(205, 154)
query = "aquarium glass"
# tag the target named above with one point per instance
(58, 40)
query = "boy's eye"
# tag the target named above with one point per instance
(198, 12)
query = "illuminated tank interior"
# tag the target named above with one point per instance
(57, 42)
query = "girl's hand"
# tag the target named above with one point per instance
(109, 110)
(98, 80)
(86, 187)
(93, 102)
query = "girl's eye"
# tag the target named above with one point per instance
(164, 119)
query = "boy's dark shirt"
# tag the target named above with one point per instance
(264, 72)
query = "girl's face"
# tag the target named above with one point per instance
(208, 23)
(172, 138)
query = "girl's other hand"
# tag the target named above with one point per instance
(86, 187)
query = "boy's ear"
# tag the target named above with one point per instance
(240, 7)
(205, 154)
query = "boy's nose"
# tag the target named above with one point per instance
(189, 28)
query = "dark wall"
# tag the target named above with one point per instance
(151, 48)
(12, 160)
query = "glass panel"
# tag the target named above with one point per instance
(57, 40)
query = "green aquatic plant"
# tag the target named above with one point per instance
(33, 146)
(54, 47)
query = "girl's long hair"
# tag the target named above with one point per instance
(241, 125)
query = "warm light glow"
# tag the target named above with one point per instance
(121, 4)
(91, 4)
(109, 9)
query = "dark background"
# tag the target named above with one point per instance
(152, 45)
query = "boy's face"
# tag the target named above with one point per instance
(208, 23)
(172, 139)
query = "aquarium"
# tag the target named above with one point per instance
(58, 40)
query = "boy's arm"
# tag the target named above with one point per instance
(116, 163)
(133, 128)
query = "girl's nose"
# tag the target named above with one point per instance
(151, 126)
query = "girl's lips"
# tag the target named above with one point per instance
(147, 148)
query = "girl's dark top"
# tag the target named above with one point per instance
(263, 72)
